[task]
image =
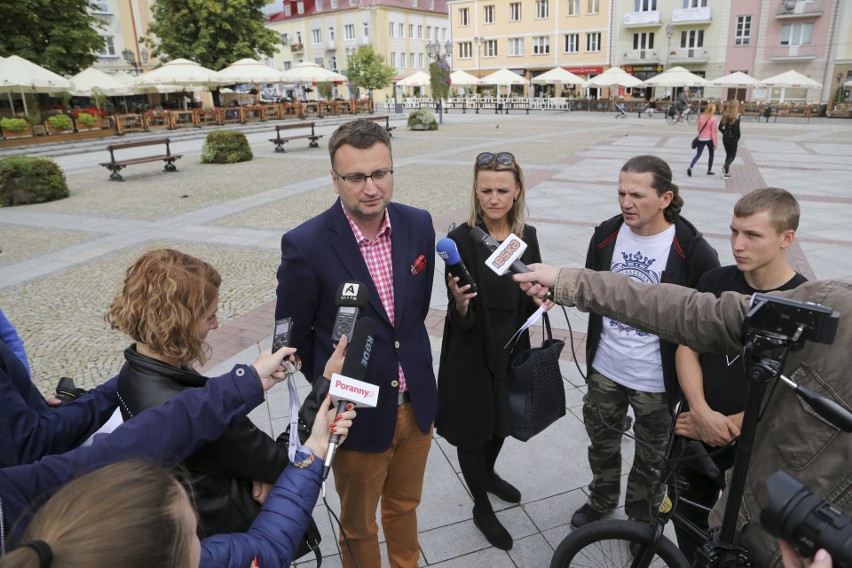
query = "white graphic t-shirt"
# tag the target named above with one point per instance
(627, 355)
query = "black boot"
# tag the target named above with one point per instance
(486, 521)
(502, 489)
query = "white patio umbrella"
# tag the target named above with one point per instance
(182, 73)
(676, 77)
(310, 72)
(736, 80)
(613, 77)
(84, 82)
(20, 75)
(461, 78)
(418, 79)
(503, 77)
(130, 80)
(792, 79)
(557, 75)
(250, 71)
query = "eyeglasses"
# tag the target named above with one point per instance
(380, 177)
(503, 158)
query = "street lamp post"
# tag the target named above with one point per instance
(433, 48)
(130, 58)
(669, 33)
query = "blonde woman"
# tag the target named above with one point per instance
(706, 138)
(730, 129)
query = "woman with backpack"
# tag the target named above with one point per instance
(730, 129)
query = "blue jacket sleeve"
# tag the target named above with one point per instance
(30, 429)
(10, 336)
(167, 434)
(277, 531)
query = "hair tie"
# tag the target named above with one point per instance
(45, 554)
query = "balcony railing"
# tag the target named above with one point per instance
(792, 52)
(331, 45)
(692, 15)
(296, 47)
(689, 55)
(789, 9)
(636, 19)
(635, 56)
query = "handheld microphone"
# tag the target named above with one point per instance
(448, 250)
(481, 237)
(354, 367)
(351, 299)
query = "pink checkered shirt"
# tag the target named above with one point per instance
(377, 255)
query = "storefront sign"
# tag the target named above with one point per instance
(585, 70)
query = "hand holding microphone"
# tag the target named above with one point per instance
(328, 423)
(507, 258)
(459, 279)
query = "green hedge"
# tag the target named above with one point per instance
(27, 179)
(60, 122)
(225, 147)
(13, 124)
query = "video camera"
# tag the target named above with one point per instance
(791, 319)
(806, 521)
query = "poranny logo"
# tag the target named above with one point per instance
(354, 389)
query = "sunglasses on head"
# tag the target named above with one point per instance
(503, 158)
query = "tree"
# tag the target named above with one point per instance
(214, 33)
(367, 69)
(439, 78)
(61, 35)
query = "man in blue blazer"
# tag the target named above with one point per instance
(390, 248)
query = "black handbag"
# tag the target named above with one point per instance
(536, 390)
(695, 140)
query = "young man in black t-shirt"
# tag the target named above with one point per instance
(762, 230)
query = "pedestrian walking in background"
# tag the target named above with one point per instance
(730, 129)
(706, 138)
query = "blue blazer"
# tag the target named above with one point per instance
(319, 255)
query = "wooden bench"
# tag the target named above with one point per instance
(386, 119)
(279, 140)
(115, 165)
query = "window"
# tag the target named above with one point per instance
(401, 30)
(288, 65)
(465, 49)
(541, 45)
(316, 36)
(334, 4)
(393, 59)
(593, 7)
(593, 41)
(573, 7)
(287, 11)
(411, 31)
(412, 61)
(572, 43)
(420, 61)
(392, 28)
(319, 5)
(100, 7)
(353, 2)
(796, 34)
(108, 49)
(694, 3)
(402, 60)
(349, 32)
(330, 34)
(743, 33)
(332, 60)
(516, 46)
(429, 33)
(298, 37)
(644, 5)
(690, 39)
(542, 9)
(285, 38)
(491, 48)
(419, 31)
(318, 61)
(300, 8)
(366, 29)
(643, 41)
(515, 12)
(464, 16)
(489, 14)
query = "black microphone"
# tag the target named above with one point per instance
(351, 298)
(448, 250)
(481, 237)
(355, 367)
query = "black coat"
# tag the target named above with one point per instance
(221, 472)
(473, 395)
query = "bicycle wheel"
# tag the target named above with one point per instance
(692, 118)
(607, 543)
(671, 118)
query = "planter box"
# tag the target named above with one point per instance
(27, 132)
(97, 125)
(51, 131)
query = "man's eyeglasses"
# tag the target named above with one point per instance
(503, 158)
(358, 180)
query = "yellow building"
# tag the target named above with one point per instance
(327, 32)
(531, 37)
(124, 23)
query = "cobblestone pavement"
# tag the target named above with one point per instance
(63, 262)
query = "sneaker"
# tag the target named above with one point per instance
(585, 515)
(711, 173)
(727, 176)
(689, 172)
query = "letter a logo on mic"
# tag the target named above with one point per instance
(350, 290)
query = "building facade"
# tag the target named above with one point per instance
(125, 22)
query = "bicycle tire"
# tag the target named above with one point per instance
(606, 543)
(692, 118)
(671, 118)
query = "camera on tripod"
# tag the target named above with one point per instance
(805, 520)
(791, 319)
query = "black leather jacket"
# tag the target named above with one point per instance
(220, 473)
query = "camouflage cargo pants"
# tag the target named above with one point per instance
(605, 403)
